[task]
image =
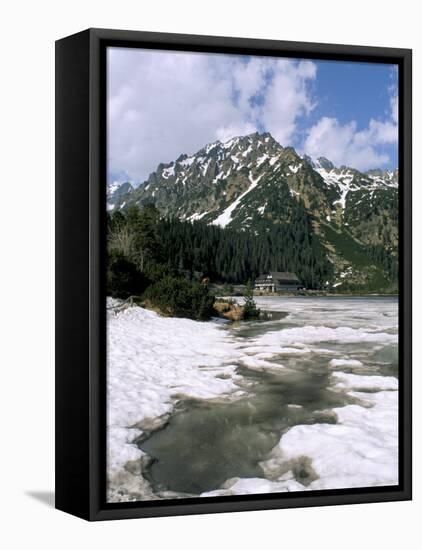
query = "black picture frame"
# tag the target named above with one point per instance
(80, 273)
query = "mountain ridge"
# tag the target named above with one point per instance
(251, 182)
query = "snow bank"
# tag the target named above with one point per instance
(151, 362)
(361, 450)
(254, 486)
(259, 362)
(364, 383)
(337, 363)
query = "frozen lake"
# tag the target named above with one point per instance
(308, 400)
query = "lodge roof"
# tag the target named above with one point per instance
(280, 276)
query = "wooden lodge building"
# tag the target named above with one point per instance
(278, 281)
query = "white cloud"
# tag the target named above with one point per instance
(344, 144)
(162, 104)
(394, 94)
(249, 79)
(224, 133)
(287, 98)
(394, 104)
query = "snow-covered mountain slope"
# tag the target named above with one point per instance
(347, 180)
(118, 194)
(221, 180)
(215, 184)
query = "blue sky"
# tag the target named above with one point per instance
(356, 91)
(162, 104)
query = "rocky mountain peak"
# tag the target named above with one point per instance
(325, 163)
(252, 183)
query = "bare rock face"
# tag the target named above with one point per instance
(230, 311)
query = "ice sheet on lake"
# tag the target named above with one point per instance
(361, 450)
(154, 361)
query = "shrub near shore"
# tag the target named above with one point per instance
(181, 298)
(137, 266)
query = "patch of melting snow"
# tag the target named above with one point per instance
(205, 166)
(168, 172)
(364, 383)
(294, 168)
(261, 160)
(196, 216)
(112, 187)
(346, 273)
(212, 146)
(337, 363)
(229, 144)
(226, 217)
(222, 175)
(187, 162)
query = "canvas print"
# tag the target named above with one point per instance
(252, 275)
